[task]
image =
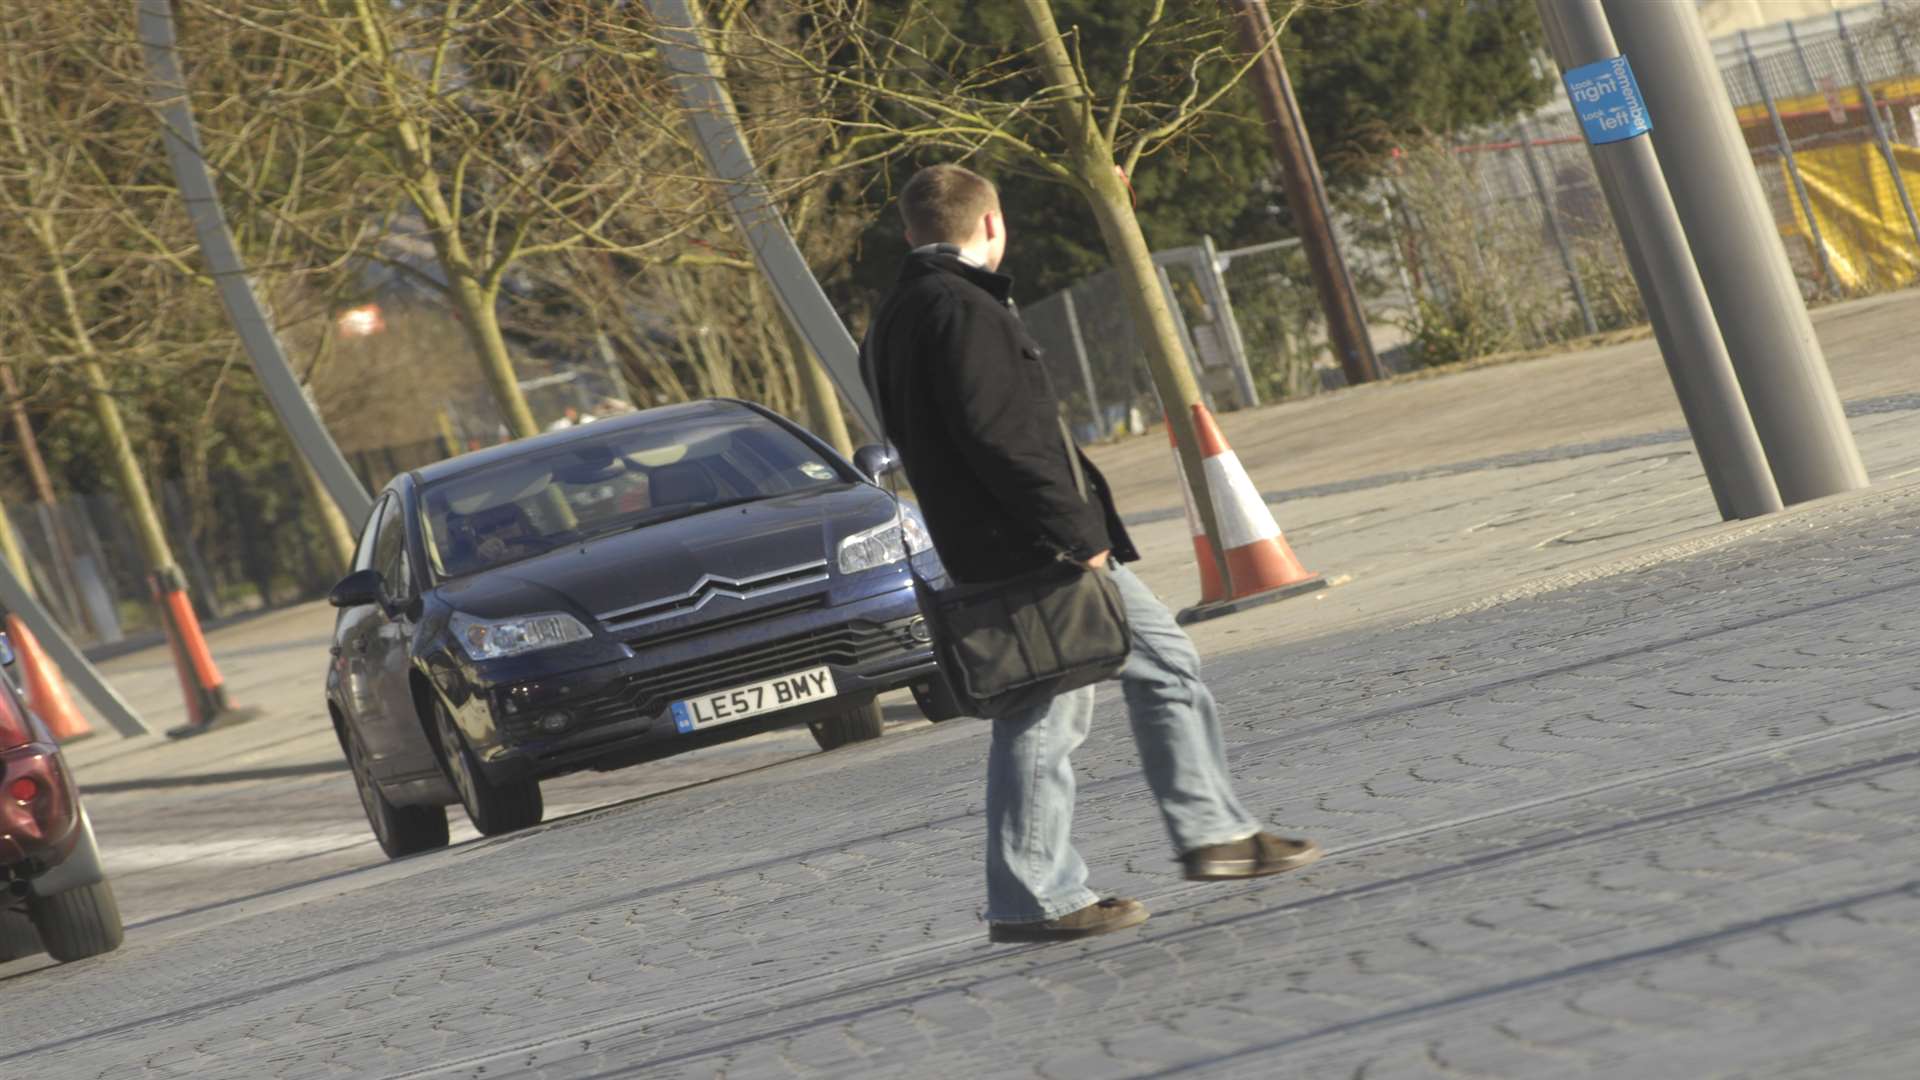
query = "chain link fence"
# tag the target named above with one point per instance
(255, 545)
(1095, 359)
(1507, 238)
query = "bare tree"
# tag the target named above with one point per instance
(905, 78)
(60, 140)
(493, 128)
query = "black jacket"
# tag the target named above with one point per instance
(966, 400)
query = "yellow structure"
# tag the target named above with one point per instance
(1870, 244)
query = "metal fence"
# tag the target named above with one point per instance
(1507, 238)
(1096, 361)
(256, 546)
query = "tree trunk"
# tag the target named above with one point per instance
(816, 388)
(126, 470)
(482, 321)
(61, 574)
(126, 465)
(10, 551)
(1090, 158)
(333, 524)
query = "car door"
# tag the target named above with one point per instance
(353, 635)
(397, 740)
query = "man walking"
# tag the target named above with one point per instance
(967, 402)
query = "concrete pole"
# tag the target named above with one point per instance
(1736, 245)
(167, 93)
(1827, 281)
(1676, 301)
(710, 113)
(1306, 196)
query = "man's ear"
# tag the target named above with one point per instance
(993, 223)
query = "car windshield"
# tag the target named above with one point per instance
(635, 476)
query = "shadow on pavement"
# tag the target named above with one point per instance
(276, 772)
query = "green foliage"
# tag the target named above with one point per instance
(1367, 75)
(1209, 183)
(1371, 75)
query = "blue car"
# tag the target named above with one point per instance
(612, 594)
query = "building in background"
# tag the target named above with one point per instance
(1721, 17)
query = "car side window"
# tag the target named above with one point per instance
(390, 553)
(363, 552)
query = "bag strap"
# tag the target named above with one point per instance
(1073, 460)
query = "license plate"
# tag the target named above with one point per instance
(726, 706)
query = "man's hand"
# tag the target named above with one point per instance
(1098, 562)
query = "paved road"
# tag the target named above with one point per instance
(1610, 788)
(1656, 824)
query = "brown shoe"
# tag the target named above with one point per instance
(1256, 856)
(1103, 917)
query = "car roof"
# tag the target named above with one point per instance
(480, 459)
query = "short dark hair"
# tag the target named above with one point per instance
(943, 204)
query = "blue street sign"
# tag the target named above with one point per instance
(1608, 101)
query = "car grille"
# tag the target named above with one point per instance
(709, 587)
(641, 642)
(853, 645)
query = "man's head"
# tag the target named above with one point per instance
(946, 204)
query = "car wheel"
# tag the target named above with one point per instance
(936, 700)
(17, 936)
(401, 830)
(81, 922)
(858, 724)
(493, 808)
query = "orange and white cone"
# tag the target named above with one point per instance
(46, 691)
(1260, 564)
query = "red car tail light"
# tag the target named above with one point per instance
(38, 807)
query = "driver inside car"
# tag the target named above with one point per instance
(499, 534)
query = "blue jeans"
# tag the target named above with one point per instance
(1033, 872)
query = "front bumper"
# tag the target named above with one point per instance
(619, 714)
(38, 833)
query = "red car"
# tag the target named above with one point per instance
(54, 897)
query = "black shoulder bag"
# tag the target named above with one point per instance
(1008, 645)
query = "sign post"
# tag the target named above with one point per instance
(1615, 119)
(1736, 246)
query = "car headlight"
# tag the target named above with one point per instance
(492, 639)
(882, 545)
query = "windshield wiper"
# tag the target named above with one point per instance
(673, 513)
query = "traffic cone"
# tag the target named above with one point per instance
(200, 681)
(46, 691)
(1261, 567)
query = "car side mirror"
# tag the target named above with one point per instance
(358, 588)
(875, 461)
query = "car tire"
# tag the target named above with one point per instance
(81, 922)
(936, 700)
(858, 724)
(493, 808)
(18, 938)
(401, 830)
